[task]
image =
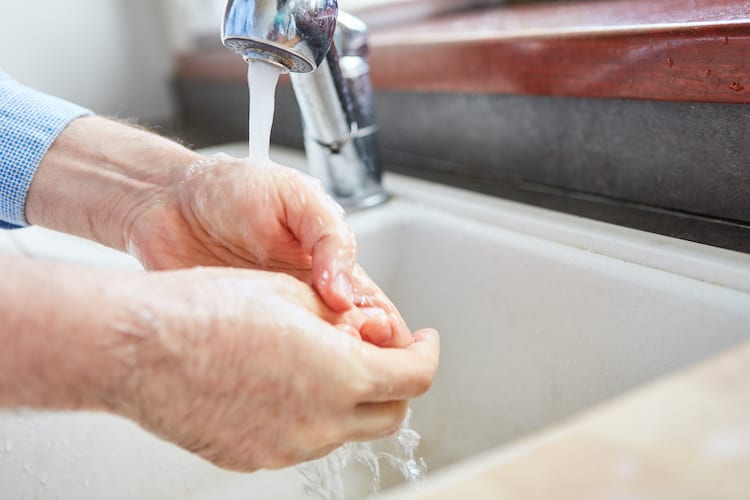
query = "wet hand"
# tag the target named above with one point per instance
(227, 212)
(250, 369)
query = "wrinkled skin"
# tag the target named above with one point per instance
(227, 212)
(248, 368)
(214, 377)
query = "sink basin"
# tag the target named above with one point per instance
(541, 314)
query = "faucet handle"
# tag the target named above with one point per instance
(351, 37)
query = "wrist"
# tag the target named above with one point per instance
(97, 172)
(68, 341)
(166, 329)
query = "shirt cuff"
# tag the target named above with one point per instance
(30, 121)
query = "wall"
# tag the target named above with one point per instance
(109, 55)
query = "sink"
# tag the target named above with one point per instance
(541, 314)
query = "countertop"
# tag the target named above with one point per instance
(686, 436)
(670, 50)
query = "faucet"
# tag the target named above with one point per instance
(325, 52)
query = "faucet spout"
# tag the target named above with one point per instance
(325, 51)
(294, 34)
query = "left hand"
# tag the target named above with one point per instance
(228, 212)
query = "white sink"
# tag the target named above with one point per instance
(541, 315)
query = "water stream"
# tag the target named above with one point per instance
(324, 478)
(262, 79)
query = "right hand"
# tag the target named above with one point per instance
(176, 209)
(250, 369)
(226, 212)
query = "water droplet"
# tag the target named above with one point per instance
(708, 72)
(736, 86)
(86, 484)
(8, 446)
(726, 40)
(670, 61)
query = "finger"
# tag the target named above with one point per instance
(401, 336)
(372, 324)
(377, 328)
(403, 373)
(318, 223)
(368, 294)
(332, 260)
(303, 294)
(376, 420)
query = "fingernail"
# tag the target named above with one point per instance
(343, 287)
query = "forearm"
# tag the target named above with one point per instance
(96, 173)
(66, 341)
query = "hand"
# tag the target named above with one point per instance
(250, 369)
(132, 190)
(227, 212)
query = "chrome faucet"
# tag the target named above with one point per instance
(325, 51)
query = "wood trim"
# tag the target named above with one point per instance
(642, 49)
(710, 66)
(645, 49)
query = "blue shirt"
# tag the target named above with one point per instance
(30, 121)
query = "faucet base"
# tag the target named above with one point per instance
(360, 203)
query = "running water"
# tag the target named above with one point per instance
(325, 477)
(262, 79)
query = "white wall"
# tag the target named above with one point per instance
(186, 19)
(112, 56)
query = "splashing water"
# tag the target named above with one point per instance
(324, 477)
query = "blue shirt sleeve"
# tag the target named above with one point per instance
(30, 121)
